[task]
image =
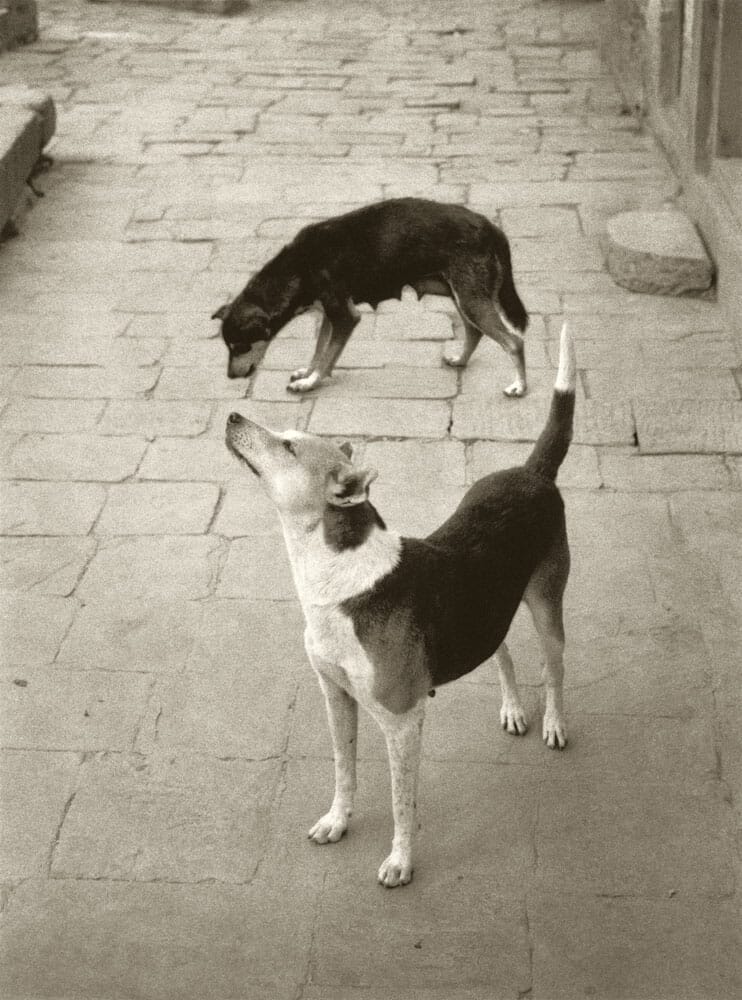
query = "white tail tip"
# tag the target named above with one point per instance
(566, 380)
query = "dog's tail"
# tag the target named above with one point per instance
(553, 442)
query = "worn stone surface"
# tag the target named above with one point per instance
(167, 739)
(657, 252)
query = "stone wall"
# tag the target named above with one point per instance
(18, 23)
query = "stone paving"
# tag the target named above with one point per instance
(165, 749)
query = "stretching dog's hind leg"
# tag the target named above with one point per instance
(481, 316)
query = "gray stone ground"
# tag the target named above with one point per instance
(165, 747)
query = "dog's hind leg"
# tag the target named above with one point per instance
(481, 316)
(543, 595)
(512, 716)
(342, 715)
(403, 734)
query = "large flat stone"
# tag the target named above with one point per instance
(683, 843)
(159, 940)
(669, 426)
(166, 566)
(646, 949)
(72, 710)
(32, 627)
(657, 252)
(182, 819)
(46, 565)
(43, 508)
(35, 788)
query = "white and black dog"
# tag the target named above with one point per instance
(388, 619)
(367, 256)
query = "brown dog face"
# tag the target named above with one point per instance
(246, 332)
(301, 473)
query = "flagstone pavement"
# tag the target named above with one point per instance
(165, 749)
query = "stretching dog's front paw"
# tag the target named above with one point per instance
(513, 718)
(302, 384)
(330, 828)
(516, 390)
(299, 373)
(554, 732)
(395, 870)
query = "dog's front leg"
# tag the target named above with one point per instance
(323, 338)
(342, 319)
(342, 715)
(403, 735)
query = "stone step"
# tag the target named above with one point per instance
(659, 253)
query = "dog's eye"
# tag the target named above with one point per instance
(289, 447)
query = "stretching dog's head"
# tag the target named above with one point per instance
(246, 332)
(303, 474)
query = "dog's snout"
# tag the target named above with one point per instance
(234, 418)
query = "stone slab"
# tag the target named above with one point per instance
(158, 509)
(597, 422)
(72, 710)
(158, 940)
(398, 418)
(628, 471)
(35, 788)
(45, 565)
(703, 426)
(390, 382)
(43, 508)
(434, 463)
(257, 568)
(659, 253)
(444, 931)
(86, 457)
(165, 566)
(680, 845)
(646, 949)
(32, 627)
(181, 819)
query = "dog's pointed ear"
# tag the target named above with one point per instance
(347, 449)
(221, 311)
(348, 486)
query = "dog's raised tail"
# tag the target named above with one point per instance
(553, 442)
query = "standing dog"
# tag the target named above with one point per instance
(368, 256)
(390, 618)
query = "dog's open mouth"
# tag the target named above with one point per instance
(241, 457)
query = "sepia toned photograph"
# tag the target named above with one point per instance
(371, 499)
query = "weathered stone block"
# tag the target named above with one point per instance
(49, 566)
(73, 710)
(688, 425)
(170, 566)
(161, 940)
(43, 508)
(182, 819)
(158, 509)
(396, 418)
(657, 252)
(34, 788)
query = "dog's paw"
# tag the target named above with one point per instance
(513, 718)
(515, 391)
(299, 373)
(455, 360)
(554, 732)
(395, 870)
(304, 384)
(330, 828)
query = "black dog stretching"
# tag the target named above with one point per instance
(367, 256)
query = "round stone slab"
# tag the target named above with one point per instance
(659, 253)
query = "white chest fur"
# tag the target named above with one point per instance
(324, 579)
